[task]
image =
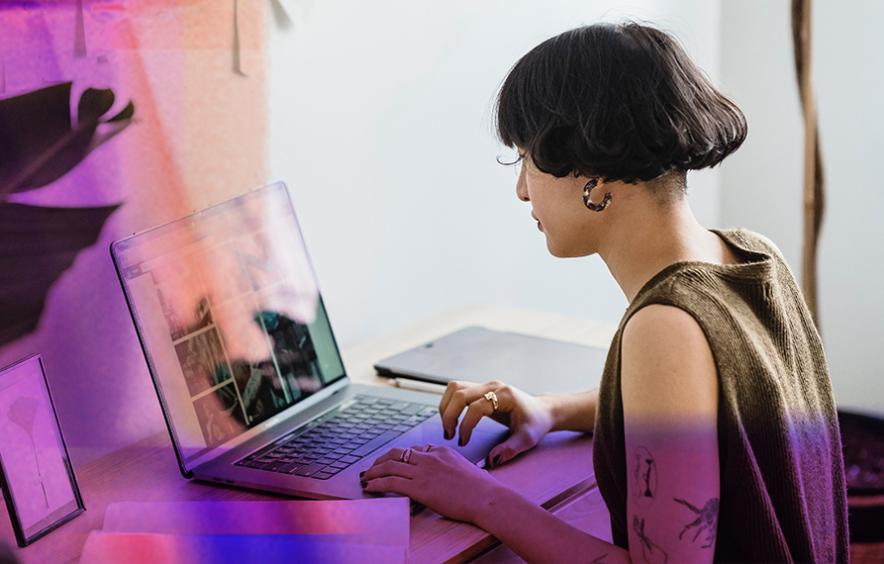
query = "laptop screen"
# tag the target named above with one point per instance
(229, 314)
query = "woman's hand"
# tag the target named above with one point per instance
(438, 477)
(528, 417)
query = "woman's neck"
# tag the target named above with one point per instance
(647, 238)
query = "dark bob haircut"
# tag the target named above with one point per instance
(616, 101)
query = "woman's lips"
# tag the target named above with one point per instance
(539, 225)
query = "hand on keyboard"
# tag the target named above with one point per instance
(339, 439)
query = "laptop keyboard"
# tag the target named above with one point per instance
(340, 438)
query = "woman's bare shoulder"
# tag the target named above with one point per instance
(667, 363)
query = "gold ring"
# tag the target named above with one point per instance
(405, 456)
(492, 397)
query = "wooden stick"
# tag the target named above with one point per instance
(812, 201)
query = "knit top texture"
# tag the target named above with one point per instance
(783, 496)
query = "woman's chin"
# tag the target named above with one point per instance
(564, 251)
(557, 250)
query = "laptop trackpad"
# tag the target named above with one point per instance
(484, 437)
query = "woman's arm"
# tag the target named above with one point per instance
(537, 535)
(670, 401)
(572, 412)
(669, 385)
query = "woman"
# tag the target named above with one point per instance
(715, 430)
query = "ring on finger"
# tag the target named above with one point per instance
(405, 456)
(492, 397)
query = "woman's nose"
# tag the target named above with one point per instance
(521, 188)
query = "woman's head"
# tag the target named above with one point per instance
(621, 103)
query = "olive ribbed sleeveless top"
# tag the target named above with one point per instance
(783, 494)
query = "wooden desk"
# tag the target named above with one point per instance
(558, 474)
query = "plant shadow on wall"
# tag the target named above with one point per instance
(40, 141)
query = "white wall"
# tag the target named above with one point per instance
(381, 126)
(762, 182)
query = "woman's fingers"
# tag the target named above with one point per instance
(389, 468)
(395, 455)
(455, 385)
(392, 475)
(475, 412)
(517, 443)
(392, 484)
(461, 395)
(452, 387)
(482, 407)
(392, 454)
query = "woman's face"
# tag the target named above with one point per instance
(570, 228)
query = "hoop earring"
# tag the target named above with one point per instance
(587, 190)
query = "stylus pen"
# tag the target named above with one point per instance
(419, 386)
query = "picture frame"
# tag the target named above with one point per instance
(36, 476)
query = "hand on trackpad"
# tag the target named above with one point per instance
(481, 442)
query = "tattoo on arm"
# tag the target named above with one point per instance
(707, 520)
(644, 477)
(651, 552)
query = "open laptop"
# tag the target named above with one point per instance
(244, 361)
